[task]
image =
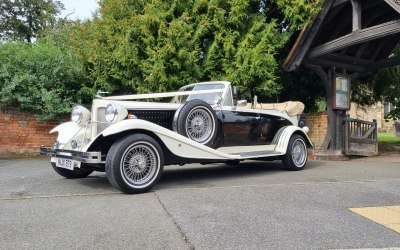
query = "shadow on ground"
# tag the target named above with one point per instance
(196, 174)
(193, 175)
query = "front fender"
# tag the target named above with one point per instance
(66, 131)
(128, 124)
(283, 136)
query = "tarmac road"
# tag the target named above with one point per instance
(256, 205)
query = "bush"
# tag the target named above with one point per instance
(40, 79)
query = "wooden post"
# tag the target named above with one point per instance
(376, 136)
(339, 130)
(326, 77)
(346, 134)
(356, 4)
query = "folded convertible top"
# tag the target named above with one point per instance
(291, 107)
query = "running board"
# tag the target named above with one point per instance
(248, 152)
(250, 155)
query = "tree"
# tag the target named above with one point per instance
(22, 20)
(301, 85)
(147, 46)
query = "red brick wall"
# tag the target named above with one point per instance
(318, 123)
(21, 134)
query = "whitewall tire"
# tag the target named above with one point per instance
(135, 163)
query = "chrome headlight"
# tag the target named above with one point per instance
(80, 114)
(111, 112)
(115, 112)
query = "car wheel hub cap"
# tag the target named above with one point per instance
(198, 125)
(137, 163)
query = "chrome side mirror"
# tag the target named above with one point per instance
(218, 100)
(242, 103)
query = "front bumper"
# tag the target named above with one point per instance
(85, 157)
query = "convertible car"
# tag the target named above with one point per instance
(132, 137)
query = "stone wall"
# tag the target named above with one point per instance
(370, 113)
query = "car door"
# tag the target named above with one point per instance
(240, 128)
(250, 127)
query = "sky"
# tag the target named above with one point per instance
(83, 8)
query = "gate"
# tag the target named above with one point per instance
(360, 137)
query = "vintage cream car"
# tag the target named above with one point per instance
(132, 137)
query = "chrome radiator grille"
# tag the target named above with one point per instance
(101, 117)
(163, 118)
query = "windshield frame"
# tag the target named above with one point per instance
(224, 86)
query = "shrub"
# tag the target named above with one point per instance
(40, 79)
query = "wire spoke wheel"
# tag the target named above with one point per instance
(299, 153)
(296, 155)
(197, 121)
(199, 125)
(139, 163)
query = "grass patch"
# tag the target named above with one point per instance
(388, 142)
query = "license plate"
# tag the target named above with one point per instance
(65, 163)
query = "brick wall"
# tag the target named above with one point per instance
(318, 124)
(21, 134)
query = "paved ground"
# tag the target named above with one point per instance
(254, 206)
(384, 157)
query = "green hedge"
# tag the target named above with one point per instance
(40, 79)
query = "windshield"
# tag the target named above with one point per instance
(207, 97)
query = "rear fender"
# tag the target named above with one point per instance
(283, 136)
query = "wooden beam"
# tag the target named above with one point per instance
(357, 37)
(356, 4)
(339, 2)
(378, 48)
(333, 12)
(369, 132)
(390, 62)
(348, 59)
(361, 50)
(394, 5)
(332, 64)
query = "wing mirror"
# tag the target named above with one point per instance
(242, 103)
(218, 100)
